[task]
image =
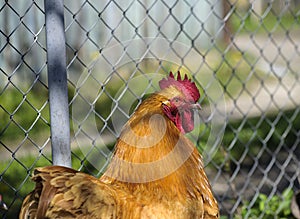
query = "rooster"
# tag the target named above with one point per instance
(155, 171)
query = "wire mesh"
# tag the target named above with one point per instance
(243, 54)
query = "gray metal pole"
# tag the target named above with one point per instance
(57, 82)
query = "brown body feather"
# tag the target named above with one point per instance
(174, 185)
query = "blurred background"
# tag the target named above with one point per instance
(243, 55)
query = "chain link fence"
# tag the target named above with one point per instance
(244, 55)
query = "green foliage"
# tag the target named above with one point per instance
(22, 113)
(234, 71)
(275, 207)
(270, 22)
(255, 133)
(15, 182)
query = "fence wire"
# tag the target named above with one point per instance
(244, 55)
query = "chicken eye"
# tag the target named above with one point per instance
(176, 99)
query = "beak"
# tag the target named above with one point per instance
(167, 103)
(196, 106)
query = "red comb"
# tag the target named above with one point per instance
(186, 85)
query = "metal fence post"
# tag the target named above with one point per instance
(57, 82)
